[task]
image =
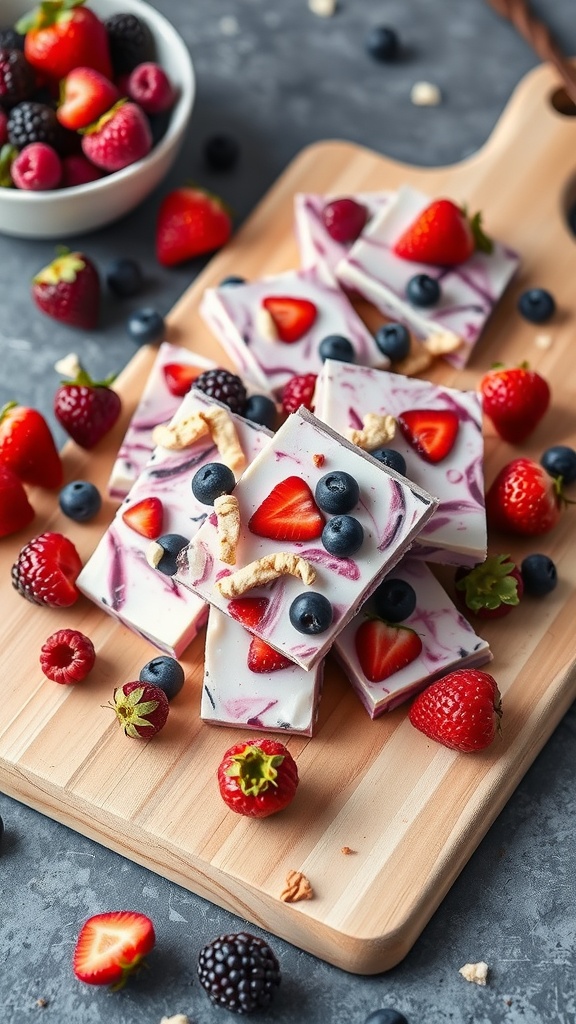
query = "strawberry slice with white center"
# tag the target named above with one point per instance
(112, 945)
(248, 610)
(263, 658)
(431, 432)
(292, 317)
(288, 513)
(443, 235)
(384, 649)
(179, 377)
(145, 517)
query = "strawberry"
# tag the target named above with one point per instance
(27, 446)
(257, 777)
(462, 710)
(85, 95)
(179, 378)
(68, 289)
(62, 35)
(384, 649)
(141, 709)
(263, 658)
(118, 138)
(515, 400)
(491, 589)
(523, 499)
(248, 610)
(292, 317)
(16, 512)
(442, 235)
(67, 656)
(299, 390)
(431, 432)
(87, 409)
(111, 946)
(289, 512)
(190, 222)
(145, 517)
(46, 570)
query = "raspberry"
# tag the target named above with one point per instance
(344, 219)
(77, 170)
(67, 656)
(225, 387)
(34, 122)
(131, 42)
(299, 390)
(17, 79)
(150, 86)
(37, 168)
(46, 569)
(239, 972)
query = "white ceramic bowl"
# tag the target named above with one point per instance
(62, 213)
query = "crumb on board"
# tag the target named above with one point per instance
(477, 973)
(347, 851)
(42, 1002)
(425, 94)
(297, 888)
(544, 341)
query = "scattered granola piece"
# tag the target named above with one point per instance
(42, 1002)
(347, 851)
(182, 434)
(376, 432)
(227, 512)
(264, 570)
(476, 973)
(297, 888)
(544, 341)
(68, 366)
(323, 8)
(416, 362)
(442, 343)
(225, 437)
(318, 460)
(425, 94)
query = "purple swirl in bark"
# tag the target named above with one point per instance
(171, 471)
(344, 567)
(116, 578)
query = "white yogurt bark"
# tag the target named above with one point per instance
(314, 241)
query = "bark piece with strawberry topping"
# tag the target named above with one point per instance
(68, 290)
(289, 512)
(27, 446)
(515, 400)
(145, 517)
(461, 710)
(257, 777)
(46, 570)
(384, 648)
(87, 409)
(492, 589)
(112, 946)
(431, 432)
(141, 709)
(292, 316)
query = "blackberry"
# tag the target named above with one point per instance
(239, 972)
(225, 387)
(34, 122)
(131, 42)
(17, 79)
(10, 39)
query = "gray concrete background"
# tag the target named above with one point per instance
(278, 78)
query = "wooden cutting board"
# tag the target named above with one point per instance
(412, 811)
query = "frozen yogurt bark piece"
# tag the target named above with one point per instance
(456, 533)
(243, 325)
(448, 642)
(280, 521)
(314, 241)
(282, 700)
(118, 577)
(157, 405)
(469, 292)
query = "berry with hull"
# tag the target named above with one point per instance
(119, 138)
(16, 512)
(288, 512)
(80, 500)
(462, 710)
(46, 570)
(191, 222)
(431, 432)
(111, 946)
(225, 387)
(239, 972)
(515, 400)
(384, 648)
(491, 589)
(61, 36)
(165, 673)
(344, 219)
(67, 656)
(292, 316)
(68, 290)
(299, 390)
(443, 235)
(87, 409)
(523, 499)
(27, 446)
(257, 777)
(85, 95)
(141, 709)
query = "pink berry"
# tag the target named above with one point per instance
(67, 656)
(3, 127)
(297, 391)
(37, 168)
(77, 170)
(344, 219)
(119, 138)
(150, 86)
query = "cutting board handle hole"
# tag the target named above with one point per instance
(562, 103)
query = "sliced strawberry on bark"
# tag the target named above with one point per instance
(442, 235)
(384, 649)
(145, 517)
(263, 658)
(180, 378)
(288, 513)
(431, 432)
(248, 610)
(112, 945)
(292, 316)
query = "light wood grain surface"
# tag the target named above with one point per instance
(412, 811)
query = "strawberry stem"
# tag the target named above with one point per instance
(481, 240)
(6, 409)
(48, 12)
(490, 584)
(255, 770)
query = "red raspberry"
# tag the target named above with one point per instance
(77, 170)
(37, 168)
(67, 656)
(299, 391)
(150, 87)
(3, 127)
(344, 219)
(119, 138)
(46, 571)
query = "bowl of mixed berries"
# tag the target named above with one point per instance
(95, 100)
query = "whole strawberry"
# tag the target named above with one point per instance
(491, 589)
(190, 222)
(118, 138)
(515, 400)
(443, 235)
(141, 709)
(62, 35)
(16, 512)
(87, 409)
(68, 289)
(27, 446)
(257, 777)
(523, 499)
(461, 710)
(46, 570)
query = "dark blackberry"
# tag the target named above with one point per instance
(239, 972)
(131, 42)
(17, 79)
(34, 122)
(10, 39)
(225, 387)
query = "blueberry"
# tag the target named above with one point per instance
(536, 305)
(337, 492)
(560, 461)
(311, 613)
(385, 1016)
(164, 672)
(393, 340)
(145, 326)
(124, 278)
(231, 280)
(388, 457)
(221, 152)
(423, 290)
(382, 43)
(342, 535)
(261, 409)
(336, 346)
(572, 219)
(80, 500)
(394, 600)
(162, 553)
(539, 575)
(211, 481)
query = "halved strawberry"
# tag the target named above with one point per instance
(110, 946)
(442, 235)
(288, 513)
(384, 649)
(263, 658)
(248, 610)
(145, 517)
(431, 432)
(179, 377)
(292, 316)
